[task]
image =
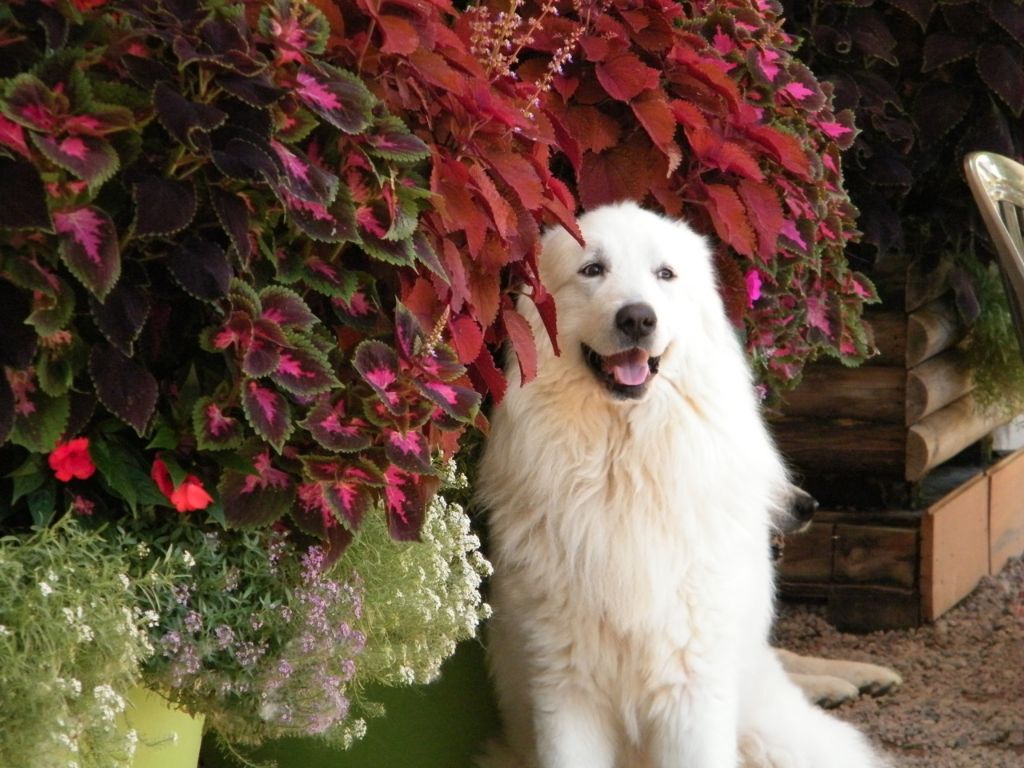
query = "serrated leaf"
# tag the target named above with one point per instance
(330, 278)
(214, 429)
(122, 316)
(89, 247)
(304, 371)
(459, 402)
(90, 158)
(163, 206)
(201, 268)
(427, 256)
(263, 352)
(259, 91)
(1000, 68)
(54, 374)
(246, 160)
(938, 108)
(286, 308)
(40, 429)
(187, 122)
(408, 451)
(941, 48)
(21, 189)
(404, 504)
(254, 508)
(337, 96)
(124, 386)
(267, 412)
(50, 313)
(295, 125)
(233, 216)
(334, 223)
(397, 253)
(393, 141)
(330, 427)
(377, 363)
(305, 180)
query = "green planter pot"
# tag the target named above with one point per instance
(443, 725)
(168, 737)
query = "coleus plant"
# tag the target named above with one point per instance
(701, 109)
(205, 233)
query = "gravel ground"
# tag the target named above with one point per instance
(961, 704)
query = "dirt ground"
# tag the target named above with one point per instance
(961, 704)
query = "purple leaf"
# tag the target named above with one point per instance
(345, 488)
(378, 365)
(20, 341)
(245, 160)
(1000, 68)
(408, 333)
(938, 108)
(408, 451)
(333, 223)
(1010, 16)
(90, 158)
(427, 256)
(163, 206)
(461, 403)
(214, 428)
(258, 91)
(201, 268)
(871, 35)
(404, 503)
(267, 412)
(303, 371)
(89, 247)
(186, 121)
(125, 388)
(234, 217)
(327, 423)
(313, 515)
(257, 499)
(29, 102)
(941, 48)
(122, 315)
(393, 141)
(263, 352)
(285, 308)
(338, 97)
(21, 189)
(919, 10)
(305, 180)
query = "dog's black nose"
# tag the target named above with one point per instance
(804, 505)
(636, 320)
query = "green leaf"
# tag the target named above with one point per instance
(27, 478)
(114, 465)
(40, 430)
(163, 437)
(42, 505)
(50, 313)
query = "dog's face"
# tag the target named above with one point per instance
(630, 297)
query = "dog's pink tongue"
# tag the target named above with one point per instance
(628, 368)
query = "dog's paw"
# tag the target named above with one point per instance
(825, 690)
(868, 678)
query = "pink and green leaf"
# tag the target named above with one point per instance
(214, 428)
(337, 96)
(330, 426)
(89, 247)
(303, 370)
(267, 412)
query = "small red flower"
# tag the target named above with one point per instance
(71, 460)
(189, 496)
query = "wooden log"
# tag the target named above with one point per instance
(925, 284)
(954, 547)
(870, 393)
(936, 383)
(876, 555)
(1006, 511)
(945, 433)
(845, 446)
(890, 331)
(931, 329)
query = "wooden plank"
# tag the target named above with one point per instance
(936, 383)
(869, 393)
(876, 555)
(931, 329)
(1006, 511)
(807, 556)
(954, 547)
(855, 608)
(943, 434)
(890, 331)
(842, 445)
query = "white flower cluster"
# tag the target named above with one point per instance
(110, 702)
(76, 620)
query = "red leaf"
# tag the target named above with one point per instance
(785, 148)
(729, 217)
(489, 374)
(624, 76)
(765, 211)
(467, 337)
(520, 174)
(657, 118)
(725, 155)
(399, 35)
(485, 295)
(688, 114)
(521, 335)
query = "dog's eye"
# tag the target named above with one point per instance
(666, 274)
(593, 269)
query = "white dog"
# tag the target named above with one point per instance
(630, 489)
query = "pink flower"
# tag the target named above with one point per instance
(189, 496)
(71, 460)
(753, 281)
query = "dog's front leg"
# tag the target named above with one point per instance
(572, 732)
(695, 730)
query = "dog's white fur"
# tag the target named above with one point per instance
(630, 537)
